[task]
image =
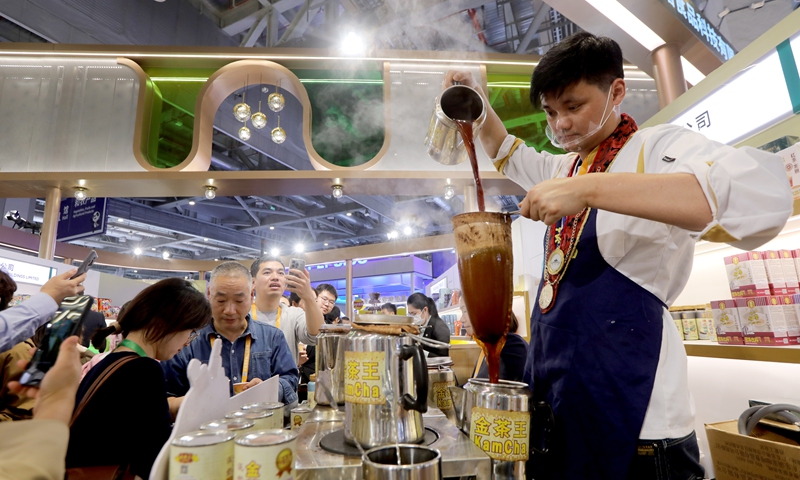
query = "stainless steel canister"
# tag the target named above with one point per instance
(415, 463)
(444, 142)
(440, 378)
(329, 386)
(386, 383)
(497, 418)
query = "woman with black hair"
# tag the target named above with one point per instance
(157, 324)
(423, 309)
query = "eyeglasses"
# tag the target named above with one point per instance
(326, 301)
(192, 336)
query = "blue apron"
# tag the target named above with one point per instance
(593, 358)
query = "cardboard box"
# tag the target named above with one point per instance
(747, 275)
(774, 267)
(765, 455)
(789, 272)
(726, 322)
(791, 162)
(763, 320)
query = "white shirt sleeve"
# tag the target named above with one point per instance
(747, 189)
(526, 167)
(301, 328)
(18, 323)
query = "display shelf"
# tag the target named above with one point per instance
(448, 310)
(707, 348)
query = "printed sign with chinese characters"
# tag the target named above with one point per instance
(363, 377)
(81, 218)
(26, 272)
(693, 19)
(501, 434)
(443, 399)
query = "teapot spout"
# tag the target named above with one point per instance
(457, 394)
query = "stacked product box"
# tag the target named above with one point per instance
(747, 275)
(774, 268)
(726, 322)
(789, 272)
(764, 320)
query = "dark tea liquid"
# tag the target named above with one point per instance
(465, 128)
(489, 305)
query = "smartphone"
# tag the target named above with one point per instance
(87, 264)
(297, 264)
(66, 323)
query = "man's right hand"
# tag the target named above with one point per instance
(463, 78)
(61, 286)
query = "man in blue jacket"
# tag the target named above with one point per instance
(251, 351)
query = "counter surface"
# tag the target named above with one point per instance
(459, 456)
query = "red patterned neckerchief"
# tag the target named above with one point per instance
(563, 236)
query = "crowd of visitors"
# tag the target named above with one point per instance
(140, 374)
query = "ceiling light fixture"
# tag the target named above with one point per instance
(353, 44)
(80, 193)
(191, 202)
(165, 255)
(153, 249)
(724, 12)
(366, 213)
(216, 259)
(338, 191)
(349, 214)
(449, 192)
(241, 111)
(275, 252)
(137, 251)
(272, 227)
(211, 192)
(407, 231)
(299, 248)
(205, 239)
(392, 235)
(326, 244)
(259, 119)
(278, 134)
(244, 133)
(275, 100)
(757, 5)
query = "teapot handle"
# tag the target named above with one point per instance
(420, 402)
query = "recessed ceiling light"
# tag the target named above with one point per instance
(153, 249)
(326, 244)
(349, 214)
(191, 202)
(272, 228)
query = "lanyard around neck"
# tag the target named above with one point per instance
(246, 360)
(133, 346)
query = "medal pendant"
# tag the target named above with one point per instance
(555, 262)
(546, 296)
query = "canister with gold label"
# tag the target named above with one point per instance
(266, 455)
(203, 455)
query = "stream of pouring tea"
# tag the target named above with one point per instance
(465, 128)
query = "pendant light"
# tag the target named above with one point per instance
(244, 132)
(276, 100)
(259, 119)
(278, 134)
(241, 111)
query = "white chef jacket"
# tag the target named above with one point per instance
(750, 200)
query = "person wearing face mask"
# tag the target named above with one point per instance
(512, 357)
(624, 208)
(423, 309)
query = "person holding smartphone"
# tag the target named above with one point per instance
(299, 325)
(19, 322)
(35, 449)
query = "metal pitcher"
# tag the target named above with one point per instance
(440, 377)
(497, 418)
(443, 142)
(402, 462)
(330, 364)
(379, 383)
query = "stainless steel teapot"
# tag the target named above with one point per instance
(443, 142)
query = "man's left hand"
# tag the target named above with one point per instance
(252, 383)
(556, 198)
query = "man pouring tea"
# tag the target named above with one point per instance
(624, 208)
